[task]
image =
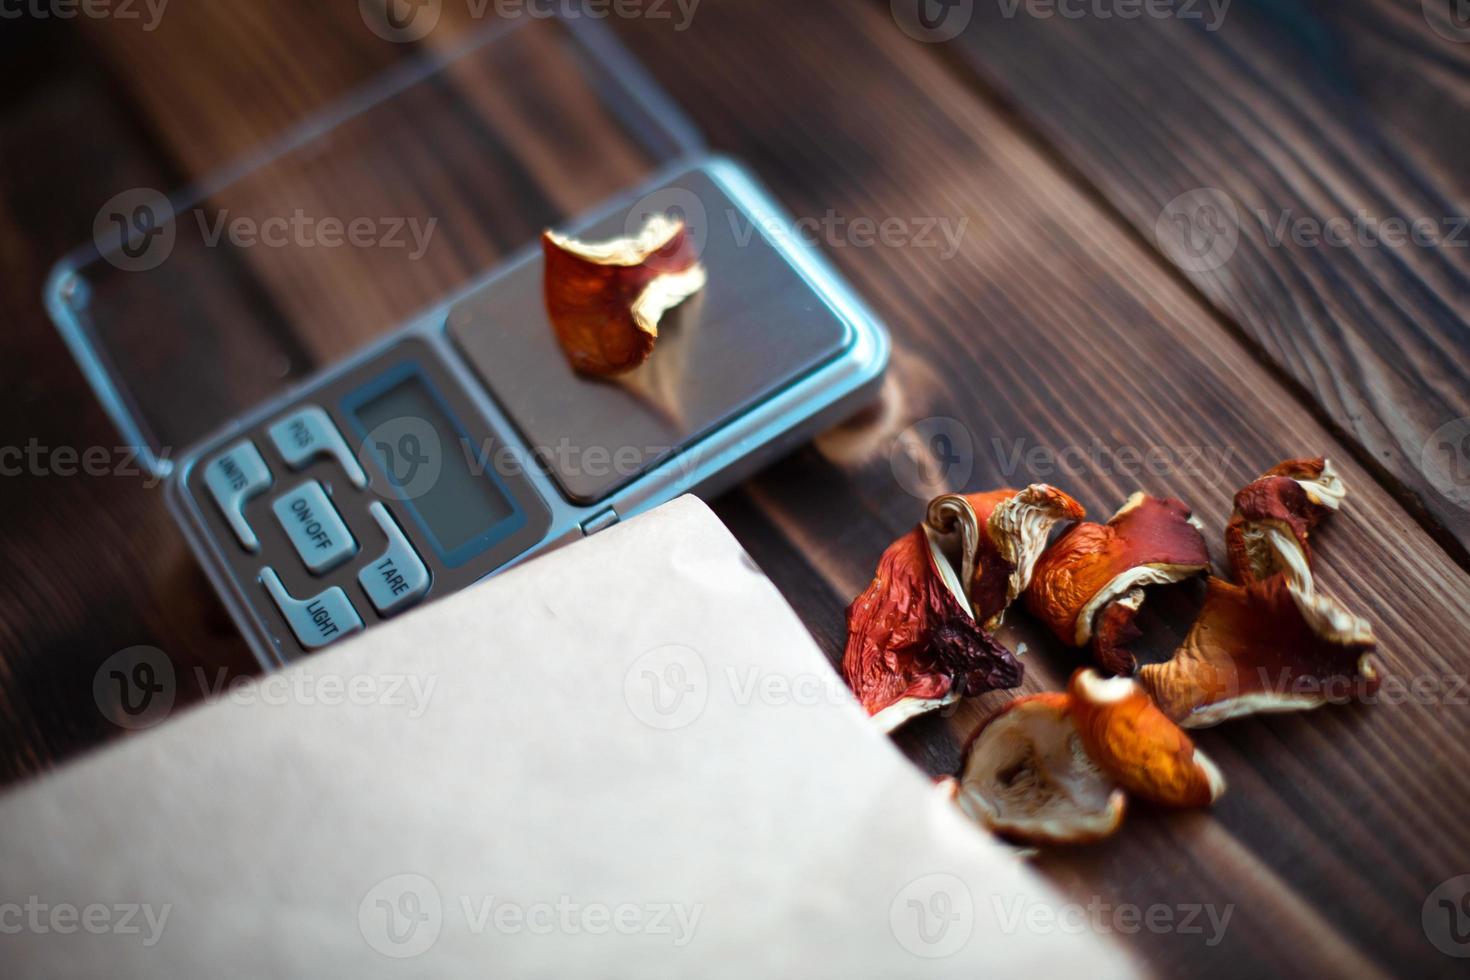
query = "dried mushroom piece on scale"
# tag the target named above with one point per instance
(605, 299)
(1088, 586)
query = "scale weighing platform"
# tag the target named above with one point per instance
(465, 442)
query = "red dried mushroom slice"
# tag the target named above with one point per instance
(1137, 745)
(606, 299)
(912, 644)
(1005, 533)
(1027, 776)
(1114, 629)
(1274, 516)
(1087, 587)
(1263, 647)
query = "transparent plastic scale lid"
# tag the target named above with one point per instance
(189, 310)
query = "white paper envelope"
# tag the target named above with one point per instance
(625, 759)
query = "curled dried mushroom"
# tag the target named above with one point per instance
(1087, 587)
(1269, 646)
(912, 643)
(1274, 517)
(606, 299)
(1027, 775)
(1137, 745)
(1005, 533)
(1271, 641)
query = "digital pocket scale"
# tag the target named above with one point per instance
(464, 443)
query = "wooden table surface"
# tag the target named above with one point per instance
(1064, 332)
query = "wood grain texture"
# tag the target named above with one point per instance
(1045, 328)
(1306, 114)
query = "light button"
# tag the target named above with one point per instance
(233, 477)
(398, 578)
(314, 527)
(308, 433)
(317, 621)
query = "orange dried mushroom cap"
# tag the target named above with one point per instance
(1091, 567)
(1027, 776)
(1274, 517)
(1137, 745)
(912, 643)
(606, 299)
(1266, 646)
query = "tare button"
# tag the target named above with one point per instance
(317, 621)
(233, 477)
(398, 578)
(308, 433)
(314, 527)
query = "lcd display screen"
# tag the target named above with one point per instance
(416, 443)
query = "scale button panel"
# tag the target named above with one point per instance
(317, 621)
(315, 528)
(398, 578)
(234, 477)
(367, 497)
(308, 433)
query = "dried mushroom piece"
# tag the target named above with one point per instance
(1114, 630)
(1317, 477)
(912, 643)
(1027, 776)
(606, 299)
(1087, 587)
(1138, 746)
(1274, 517)
(1005, 533)
(1261, 647)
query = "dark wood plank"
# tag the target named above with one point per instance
(216, 81)
(1300, 113)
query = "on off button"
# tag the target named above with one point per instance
(314, 527)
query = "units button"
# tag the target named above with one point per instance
(317, 621)
(398, 578)
(314, 527)
(233, 477)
